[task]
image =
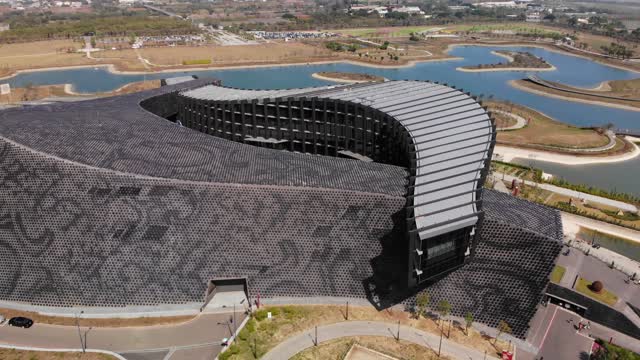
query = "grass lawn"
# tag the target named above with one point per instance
(515, 27)
(557, 274)
(337, 349)
(387, 32)
(605, 296)
(261, 334)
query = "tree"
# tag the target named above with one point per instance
(503, 327)
(468, 319)
(422, 302)
(444, 308)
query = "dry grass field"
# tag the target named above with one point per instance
(542, 130)
(32, 93)
(41, 54)
(11, 354)
(45, 91)
(290, 320)
(114, 322)
(337, 349)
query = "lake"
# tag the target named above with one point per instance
(570, 70)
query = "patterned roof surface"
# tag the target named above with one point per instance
(116, 133)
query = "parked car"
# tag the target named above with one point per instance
(20, 321)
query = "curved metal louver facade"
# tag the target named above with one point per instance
(442, 135)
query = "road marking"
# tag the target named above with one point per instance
(174, 348)
(548, 327)
(169, 354)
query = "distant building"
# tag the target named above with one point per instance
(458, 7)
(533, 17)
(501, 4)
(409, 10)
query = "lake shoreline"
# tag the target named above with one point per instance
(112, 68)
(548, 47)
(509, 153)
(509, 59)
(514, 84)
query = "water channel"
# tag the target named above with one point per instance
(624, 176)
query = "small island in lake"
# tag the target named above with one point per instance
(347, 77)
(520, 61)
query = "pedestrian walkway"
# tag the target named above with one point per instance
(520, 121)
(572, 193)
(296, 344)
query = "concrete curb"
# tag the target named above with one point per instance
(27, 348)
(233, 338)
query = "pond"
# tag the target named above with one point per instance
(570, 70)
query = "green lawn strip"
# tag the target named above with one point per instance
(605, 296)
(557, 274)
(257, 336)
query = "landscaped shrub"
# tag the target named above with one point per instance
(196, 62)
(260, 314)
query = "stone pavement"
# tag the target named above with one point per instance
(295, 344)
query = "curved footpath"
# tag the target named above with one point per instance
(574, 194)
(520, 121)
(507, 154)
(300, 342)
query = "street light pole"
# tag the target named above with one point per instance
(82, 345)
(234, 319)
(440, 345)
(347, 310)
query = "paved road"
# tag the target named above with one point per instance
(305, 340)
(574, 194)
(204, 331)
(561, 340)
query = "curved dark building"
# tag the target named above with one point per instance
(362, 191)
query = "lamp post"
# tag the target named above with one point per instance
(234, 319)
(82, 345)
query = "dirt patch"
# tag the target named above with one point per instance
(12, 354)
(32, 93)
(42, 92)
(114, 322)
(389, 348)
